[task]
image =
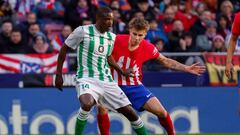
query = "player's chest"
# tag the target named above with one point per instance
(127, 58)
(97, 44)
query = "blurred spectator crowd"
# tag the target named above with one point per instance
(41, 26)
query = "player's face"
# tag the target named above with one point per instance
(136, 36)
(106, 21)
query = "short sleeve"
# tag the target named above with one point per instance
(112, 40)
(75, 38)
(236, 25)
(151, 51)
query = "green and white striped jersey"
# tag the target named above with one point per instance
(93, 48)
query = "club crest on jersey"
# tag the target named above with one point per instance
(101, 49)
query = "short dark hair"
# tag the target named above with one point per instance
(7, 21)
(16, 29)
(142, 1)
(34, 24)
(103, 10)
(86, 19)
(187, 34)
(156, 40)
(139, 24)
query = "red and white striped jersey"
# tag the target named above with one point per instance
(131, 59)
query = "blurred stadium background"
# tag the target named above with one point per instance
(186, 30)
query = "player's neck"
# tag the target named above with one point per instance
(99, 28)
(132, 47)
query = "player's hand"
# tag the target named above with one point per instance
(196, 69)
(59, 82)
(128, 72)
(229, 70)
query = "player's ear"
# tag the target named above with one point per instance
(145, 34)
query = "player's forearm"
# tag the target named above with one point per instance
(231, 48)
(114, 64)
(173, 64)
(61, 59)
(229, 55)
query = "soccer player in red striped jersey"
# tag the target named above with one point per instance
(130, 52)
(232, 44)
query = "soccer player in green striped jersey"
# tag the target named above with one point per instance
(94, 44)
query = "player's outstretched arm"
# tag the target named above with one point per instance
(230, 50)
(113, 63)
(61, 59)
(173, 64)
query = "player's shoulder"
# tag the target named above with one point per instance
(146, 43)
(237, 14)
(82, 28)
(148, 47)
(121, 40)
(111, 35)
